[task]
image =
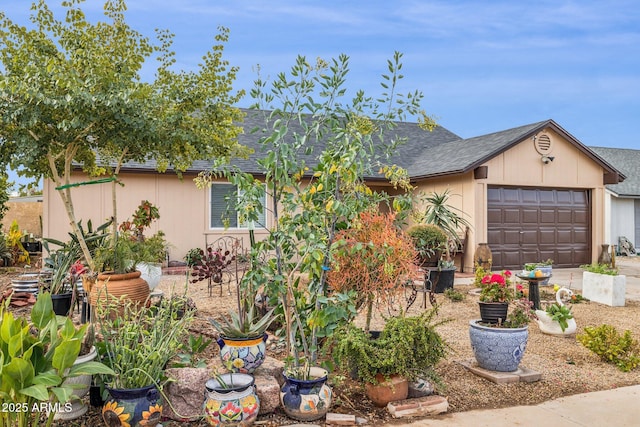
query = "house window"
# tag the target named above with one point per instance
(223, 213)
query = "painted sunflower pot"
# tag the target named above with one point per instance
(231, 400)
(133, 407)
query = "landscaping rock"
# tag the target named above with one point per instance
(268, 391)
(186, 393)
(430, 405)
(420, 388)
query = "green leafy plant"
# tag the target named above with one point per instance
(35, 360)
(454, 295)
(605, 341)
(446, 217)
(600, 269)
(428, 239)
(194, 346)
(520, 314)
(193, 256)
(138, 343)
(560, 313)
(408, 346)
(250, 326)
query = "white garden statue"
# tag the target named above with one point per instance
(550, 326)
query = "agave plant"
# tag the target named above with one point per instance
(251, 325)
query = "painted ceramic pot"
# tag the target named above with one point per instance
(243, 355)
(231, 399)
(498, 349)
(306, 400)
(133, 407)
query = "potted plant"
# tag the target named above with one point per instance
(602, 283)
(63, 290)
(430, 242)
(442, 278)
(231, 399)
(496, 292)
(137, 344)
(243, 336)
(407, 349)
(500, 346)
(446, 217)
(557, 318)
(374, 258)
(38, 359)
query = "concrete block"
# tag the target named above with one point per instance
(522, 374)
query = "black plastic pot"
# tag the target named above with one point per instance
(441, 279)
(61, 303)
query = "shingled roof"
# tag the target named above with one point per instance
(626, 161)
(426, 154)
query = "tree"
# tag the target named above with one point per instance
(71, 96)
(305, 115)
(5, 187)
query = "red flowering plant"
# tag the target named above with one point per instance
(497, 287)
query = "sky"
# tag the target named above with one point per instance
(483, 65)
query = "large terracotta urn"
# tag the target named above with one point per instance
(112, 286)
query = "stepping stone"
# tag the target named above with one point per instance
(523, 374)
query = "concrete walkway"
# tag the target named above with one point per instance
(618, 407)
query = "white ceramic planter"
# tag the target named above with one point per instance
(78, 407)
(151, 272)
(604, 288)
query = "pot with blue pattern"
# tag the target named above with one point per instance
(496, 348)
(306, 400)
(243, 355)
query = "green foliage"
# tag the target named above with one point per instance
(138, 343)
(454, 295)
(560, 313)
(408, 346)
(5, 187)
(605, 341)
(305, 116)
(71, 90)
(193, 347)
(449, 219)
(193, 256)
(520, 314)
(35, 360)
(600, 269)
(249, 326)
(428, 239)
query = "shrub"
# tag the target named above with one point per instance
(427, 239)
(605, 341)
(600, 269)
(454, 295)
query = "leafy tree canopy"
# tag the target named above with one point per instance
(70, 90)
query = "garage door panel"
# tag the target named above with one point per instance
(511, 216)
(532, 224)
(547, 236)
(529, 216)
(547, 216)
(564, 216)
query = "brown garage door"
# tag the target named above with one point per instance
(533, 224)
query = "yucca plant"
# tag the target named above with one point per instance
(251, 325)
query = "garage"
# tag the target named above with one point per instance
(534, 224)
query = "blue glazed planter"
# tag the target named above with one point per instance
(244, 354)
(133, 407)
(498, 349)
(306, 400)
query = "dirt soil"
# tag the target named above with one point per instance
(567, 367)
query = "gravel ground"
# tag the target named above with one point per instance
(567, 367)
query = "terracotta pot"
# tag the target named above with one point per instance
(111, 285)
(387, 390)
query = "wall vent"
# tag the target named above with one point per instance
(543, 143)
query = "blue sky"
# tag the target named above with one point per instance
(484, 66)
